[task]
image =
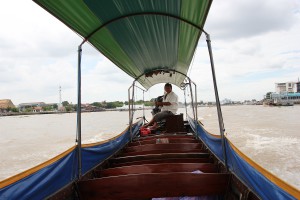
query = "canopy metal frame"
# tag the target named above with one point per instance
(78, 130)
(141, 14)
(131, 105)
(132, 91)
(220, 117)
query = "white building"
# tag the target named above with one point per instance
(226, 101)
(286, 87)
(23, 106)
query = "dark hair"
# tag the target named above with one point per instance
(168, 85)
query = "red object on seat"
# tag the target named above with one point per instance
(145, 131)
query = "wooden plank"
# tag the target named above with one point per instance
(169, 160)
(162, 148)
(158, 156)
(149, 147)
(161, 152)
(167, 133)
(157, 140)
(158, 168)
(164, 136)
(139, 186)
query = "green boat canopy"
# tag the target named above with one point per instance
(153, 41)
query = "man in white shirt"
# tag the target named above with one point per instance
(169, 106)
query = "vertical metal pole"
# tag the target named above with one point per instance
(129, 110)
(196, 102)
(220, 117)
(79, 112)
(185, 104)
(192, 98)
(196, 108)
(144, 106)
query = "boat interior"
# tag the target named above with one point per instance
(168, 164)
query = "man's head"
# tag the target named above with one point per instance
(168, 87)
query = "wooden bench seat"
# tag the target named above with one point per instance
(165, 135)
(162, 148)
(149, 147)
(169, 160)
(158, 140)
(174, 123)
(160, 158)
(142, 186)
(157, 168)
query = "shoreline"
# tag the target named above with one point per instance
(115, 109)
(63, 112)
(43, 113)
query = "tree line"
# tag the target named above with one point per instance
(115, 104)
(107, 104)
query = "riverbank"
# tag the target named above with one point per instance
(63, 112)
(43, 113)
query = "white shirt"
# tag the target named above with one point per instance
(173, 99)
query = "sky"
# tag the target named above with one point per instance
(255, 44)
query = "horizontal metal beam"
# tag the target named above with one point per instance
(142, 14)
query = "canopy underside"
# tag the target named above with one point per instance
(139, 36)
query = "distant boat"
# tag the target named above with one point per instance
(282, 102)
(153, 41)
(279, 100)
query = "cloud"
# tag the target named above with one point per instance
(30, 32)
(234, 19)
(259, 60)
(104, 81)
(25, 83)
(255, 44)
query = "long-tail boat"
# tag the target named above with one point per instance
(153, 41)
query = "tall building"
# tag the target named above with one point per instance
(285, 92)
(287, 87)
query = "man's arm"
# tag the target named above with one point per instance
(172, 99)
(163, 103)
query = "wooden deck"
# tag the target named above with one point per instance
(168, 165)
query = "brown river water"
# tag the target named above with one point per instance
(268, 135)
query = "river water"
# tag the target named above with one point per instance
(268, 135)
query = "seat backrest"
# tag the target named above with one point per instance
(174, 123)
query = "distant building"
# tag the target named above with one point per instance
(298, 87)
(290, 97)
(286, 87)
(61, 108)
(286, 93)
(226, 102)
(88, 107)
(268, 95)
(6, 104)
(37, 109)
(209, 103)
(248, 102)
(24, 106)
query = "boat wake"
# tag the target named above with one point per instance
(277, 154)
